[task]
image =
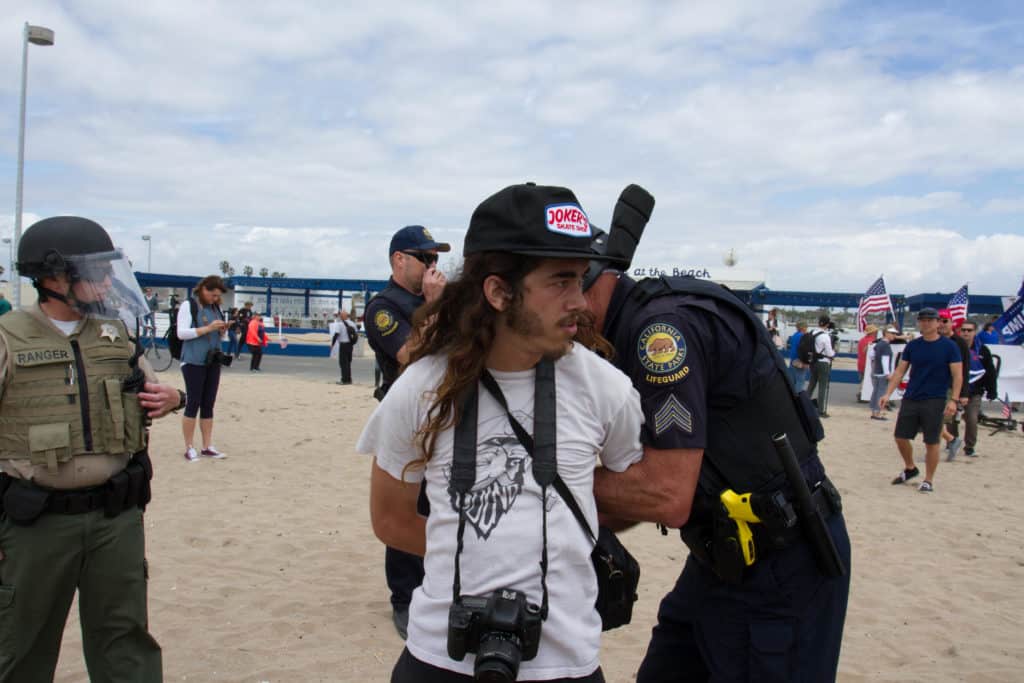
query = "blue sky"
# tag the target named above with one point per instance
(826, 142)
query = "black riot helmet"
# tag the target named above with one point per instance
(103, 284)
(48, 247)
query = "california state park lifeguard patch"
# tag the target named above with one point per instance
(661, 350)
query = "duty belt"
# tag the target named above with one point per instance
(24, 502)
(700, 536)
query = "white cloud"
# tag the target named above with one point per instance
(310, 133)
(1004, 206)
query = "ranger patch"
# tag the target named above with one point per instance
(671, 414)
(385, 322)
(29, 358)
(662, 350)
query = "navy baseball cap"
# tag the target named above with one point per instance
(415, 238)
(534, 220)
(927, 313)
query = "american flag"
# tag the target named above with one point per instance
(874, 300)
(1007, 411)
(958, 306)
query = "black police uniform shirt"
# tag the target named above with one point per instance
(388, 322)
(689, 355)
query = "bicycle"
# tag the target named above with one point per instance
(158, 355)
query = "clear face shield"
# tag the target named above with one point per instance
(104, 286)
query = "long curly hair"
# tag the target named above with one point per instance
(461, 326)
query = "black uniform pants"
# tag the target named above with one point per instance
(404, 573)
(345, 361)
(783, 624)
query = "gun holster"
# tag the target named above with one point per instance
(22, 502)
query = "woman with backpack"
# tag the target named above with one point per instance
(199, 326)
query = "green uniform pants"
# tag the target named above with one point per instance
(43, 565)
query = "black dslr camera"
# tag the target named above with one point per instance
(218, 356)
(502, 630)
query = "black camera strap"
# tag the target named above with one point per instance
(541, 447)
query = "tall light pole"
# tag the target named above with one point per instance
(37, 35)
(10, 243)
(149, 252)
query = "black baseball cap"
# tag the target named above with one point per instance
(927, 313)
(415, 238)
(534, 220)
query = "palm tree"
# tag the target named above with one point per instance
(264, 271)
(225, 267)
(247, 271)
(277, 274)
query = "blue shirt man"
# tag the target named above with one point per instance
(937, 366)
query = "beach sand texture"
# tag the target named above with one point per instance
(263, 566)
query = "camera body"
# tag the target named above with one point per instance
(218, 356)
(502, 629)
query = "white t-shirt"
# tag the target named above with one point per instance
(597, 416)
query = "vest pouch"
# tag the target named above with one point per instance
(24, 503)
(124, 424)
(50, 444)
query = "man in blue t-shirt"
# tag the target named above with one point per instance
(937, 365)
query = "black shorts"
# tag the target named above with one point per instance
(921, 416)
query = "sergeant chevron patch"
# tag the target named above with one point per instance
(672, 413)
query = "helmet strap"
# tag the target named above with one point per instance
(50, 294)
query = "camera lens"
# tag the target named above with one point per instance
(497, 658)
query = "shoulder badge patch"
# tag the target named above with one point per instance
(671, 414)
(662, 350)
(385, 322)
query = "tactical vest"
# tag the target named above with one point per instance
(64, 394)
(739, 453)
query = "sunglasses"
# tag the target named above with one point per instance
(966, 329)
(424, 258)
(943, 320)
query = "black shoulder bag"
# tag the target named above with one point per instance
(618, 572)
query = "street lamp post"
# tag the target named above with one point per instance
(10, 244)
(149, 252)
(37, 35)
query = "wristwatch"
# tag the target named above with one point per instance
(182, 400)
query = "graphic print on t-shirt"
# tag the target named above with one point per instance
(501, 465)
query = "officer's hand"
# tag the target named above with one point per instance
(433, 284)
(964, 401)
(158, 399)
(883, 402)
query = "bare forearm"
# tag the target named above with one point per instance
(393, 513)
(659, 488)
(410, 536)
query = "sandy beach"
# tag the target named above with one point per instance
(264, 568)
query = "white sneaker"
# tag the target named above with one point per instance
(212, 452)
(191, 455)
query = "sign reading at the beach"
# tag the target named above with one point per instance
(656, 271)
